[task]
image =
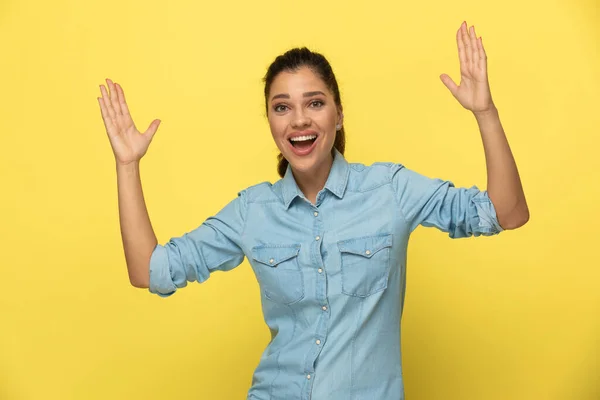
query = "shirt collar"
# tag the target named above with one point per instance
(336, 181)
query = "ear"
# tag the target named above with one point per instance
(340, 116)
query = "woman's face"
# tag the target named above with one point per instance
(303, 117)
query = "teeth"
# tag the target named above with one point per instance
(302, 138)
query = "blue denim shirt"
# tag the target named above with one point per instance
(332, 274)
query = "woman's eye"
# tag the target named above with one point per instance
(283, 107)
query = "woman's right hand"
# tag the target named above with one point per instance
(128, 144)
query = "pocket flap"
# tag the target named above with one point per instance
(273, 255)
(366, 246)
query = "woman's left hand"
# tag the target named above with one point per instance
(473, 93)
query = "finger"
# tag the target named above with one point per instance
(461, 49)
(450, 84)
(482, 55)
(466, 42)
(106, 117)
(474, 49)
(107, 103)
(152, 129)
(113, 97)
(122, 102)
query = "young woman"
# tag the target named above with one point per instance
(328, 241)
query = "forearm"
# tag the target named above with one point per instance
(503, 182)
(137, 234)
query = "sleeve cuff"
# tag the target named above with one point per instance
(484, 221)
(161, 282)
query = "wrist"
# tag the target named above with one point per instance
(128, 167)
(491, 112)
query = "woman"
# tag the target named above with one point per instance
(328, 241)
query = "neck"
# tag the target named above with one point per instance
(312, 182)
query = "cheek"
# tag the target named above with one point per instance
(277, 128)
(327, 120)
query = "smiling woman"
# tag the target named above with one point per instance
(305, 104)
(328, 241)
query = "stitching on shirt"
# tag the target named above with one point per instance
(394, 195)
(272, 192)
(279, 351)
(295, 316)
(267, 201)
(377, 165)
(276, 375)
(380, 235)
(359, 316)
(369, 188)
(244, 217)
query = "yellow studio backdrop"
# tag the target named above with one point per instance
(509, 317)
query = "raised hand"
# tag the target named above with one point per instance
(128, 144)
(473, 93)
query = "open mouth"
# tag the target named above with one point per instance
(303, 142)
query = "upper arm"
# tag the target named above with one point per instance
(214, 245)
(432, 202)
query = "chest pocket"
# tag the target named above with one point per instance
(279, 272)
(365, 264)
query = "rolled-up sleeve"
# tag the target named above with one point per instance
(214, 245)
(432, 202)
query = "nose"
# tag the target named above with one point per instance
(300, 119)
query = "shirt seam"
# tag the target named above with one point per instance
(267, 201)
(353, 349)
(369, 188)
(244, 216)
(395, 195)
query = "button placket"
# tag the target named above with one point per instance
(322, 318)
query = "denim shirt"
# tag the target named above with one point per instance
(331, 274)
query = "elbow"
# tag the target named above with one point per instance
(516, 219)
(511, 215)
(140, 284)
(142, 281)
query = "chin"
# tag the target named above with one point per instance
(303, 166)
(307, 164)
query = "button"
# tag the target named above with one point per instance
(271, 261)
(320, 270)
(318, 341)
(368, 252)
(308, 376)
(318, 238)
(324, 308)
(316, 214)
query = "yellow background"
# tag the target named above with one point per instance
(510, 317)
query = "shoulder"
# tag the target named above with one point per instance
(262, 192)
(367, 177)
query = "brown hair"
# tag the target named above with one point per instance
(292, 60)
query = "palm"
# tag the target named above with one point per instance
(128, 144)
(473, 92)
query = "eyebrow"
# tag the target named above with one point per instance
(287, 96)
